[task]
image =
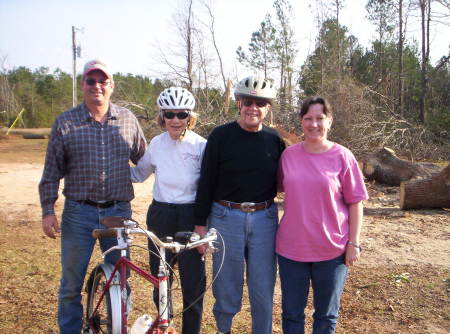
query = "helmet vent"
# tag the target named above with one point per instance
(256, 86)
(176, 98)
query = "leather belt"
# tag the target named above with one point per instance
(172, 205)
(246, 206)
(100, 205)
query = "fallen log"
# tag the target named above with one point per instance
(34, 136)
(432, 192)
(386, 168)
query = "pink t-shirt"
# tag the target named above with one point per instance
(318, 189)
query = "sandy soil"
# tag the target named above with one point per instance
(19, 190)
(414, 244)
(390, 236)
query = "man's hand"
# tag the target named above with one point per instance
(50, 226)
(201, 231)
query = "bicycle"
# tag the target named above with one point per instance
(107, 306)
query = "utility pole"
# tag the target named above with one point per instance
(76, 52)
(74, 65)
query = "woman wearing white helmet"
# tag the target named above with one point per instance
(175, 157)
(236, 191)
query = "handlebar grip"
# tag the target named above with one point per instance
(104, 233)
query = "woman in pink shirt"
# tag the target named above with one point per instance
(318, 237)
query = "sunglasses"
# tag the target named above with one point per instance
(259, 103)
(179, 115)
(93, 82)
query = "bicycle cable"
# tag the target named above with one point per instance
(210, 284)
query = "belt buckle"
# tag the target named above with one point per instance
(248, 207)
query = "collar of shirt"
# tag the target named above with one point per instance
(86, 115)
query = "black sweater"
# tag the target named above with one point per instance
(238, 166)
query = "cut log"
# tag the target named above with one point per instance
(386, 168)
(34, 136)
(433, 192)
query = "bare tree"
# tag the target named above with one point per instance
(186, 32)
(179, 58)
(9, 105)
(214, 41)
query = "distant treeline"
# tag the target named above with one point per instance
(389, 94)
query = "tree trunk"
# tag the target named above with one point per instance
(425, 12)
(432, 192)
(338, 40)
(189, 49)
(386, 168)
(400, 60)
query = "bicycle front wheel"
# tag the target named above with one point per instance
(103, 316)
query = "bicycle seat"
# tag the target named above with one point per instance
(113, 221)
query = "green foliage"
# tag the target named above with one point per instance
(45, 95)
(261, 49)
(362, 84)
(321, 65)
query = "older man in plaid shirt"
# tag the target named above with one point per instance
(90, 147)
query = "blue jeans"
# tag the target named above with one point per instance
(249, 239)
(77, 244)
(327, 278)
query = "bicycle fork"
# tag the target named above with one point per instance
(164, 302)
(124, 293)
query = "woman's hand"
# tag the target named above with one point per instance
(355, 217)
(352, 254)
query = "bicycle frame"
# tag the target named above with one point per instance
(115, 292)
(161, 323)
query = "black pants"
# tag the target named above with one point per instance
(164, 220)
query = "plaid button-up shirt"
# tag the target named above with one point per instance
(93, 158)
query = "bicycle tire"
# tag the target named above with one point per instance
(107, 318)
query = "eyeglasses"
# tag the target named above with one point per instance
(179, 115)
(93, 82)
(259, 103)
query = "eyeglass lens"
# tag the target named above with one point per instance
(93, 82)
(259, 103)
(179, 115)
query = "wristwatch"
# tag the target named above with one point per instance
(355, 245)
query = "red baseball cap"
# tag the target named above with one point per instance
(96, 65)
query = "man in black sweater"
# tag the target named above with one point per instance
(236, 190)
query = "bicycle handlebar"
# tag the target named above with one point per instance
(104, 233)
(209, 237)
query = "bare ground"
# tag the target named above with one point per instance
(401, 284)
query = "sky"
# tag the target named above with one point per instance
(128, 34)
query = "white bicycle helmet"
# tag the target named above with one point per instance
(258, 87)
(176, 98)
